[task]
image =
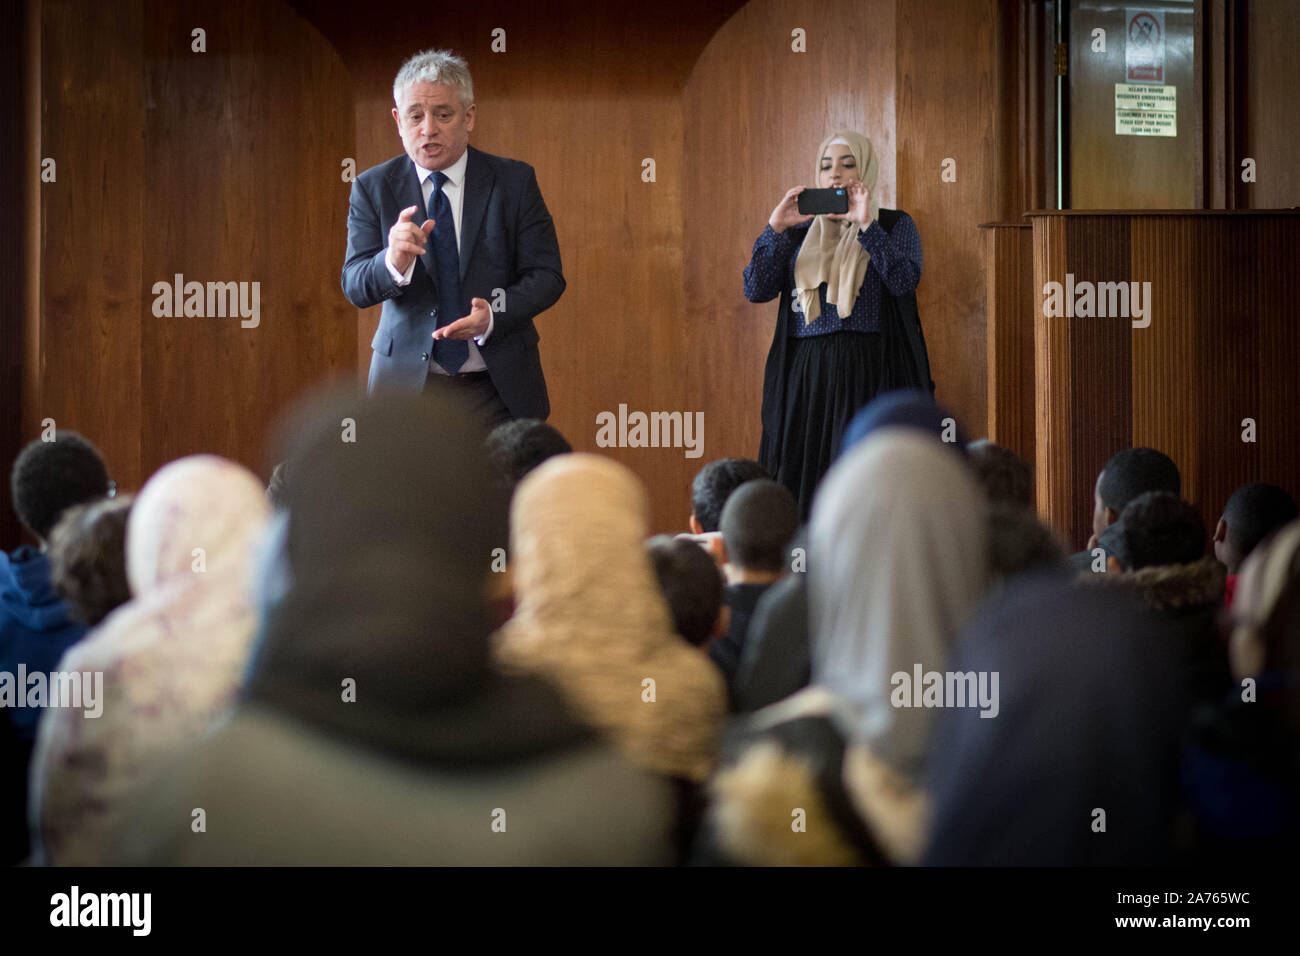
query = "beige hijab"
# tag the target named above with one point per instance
(831, 252)
(591, 619)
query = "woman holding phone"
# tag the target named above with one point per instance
(847, 328)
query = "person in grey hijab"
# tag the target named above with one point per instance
(899, 539)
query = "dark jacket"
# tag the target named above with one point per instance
(1087, 736)
(507, 242)
(1241, 772)
(726, 651)
(276, 792)
(35, 630)
(907, 363)
(776, 660)
(1187, 596)
(35, 624)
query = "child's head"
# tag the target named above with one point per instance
(517, 447)
(51, 476)
(713, 485)
(1158, 528)
(1129, 473)
(88, 558)
(757, 524)
(691, 585)
(1253, 512)
(1004, 475)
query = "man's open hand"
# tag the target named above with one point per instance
(476, 323)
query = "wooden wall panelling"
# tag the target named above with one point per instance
(947, 95)
(1221, 347)
(1011, 305)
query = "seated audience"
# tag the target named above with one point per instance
(518, 446)
(1253, 512)
(88, 558)
(775, 662)
(1127, 474)
(1242, 765)
(899, 538)
(375, 730)
(1158, 548)
(692, 585)
(1007, 478)
(171, 658)
(36, 624)
(590, 617)
(758, 521)
(1079, 767)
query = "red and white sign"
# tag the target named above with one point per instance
(1144, 45)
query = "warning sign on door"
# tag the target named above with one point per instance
(1144, 46)
(1145, 110)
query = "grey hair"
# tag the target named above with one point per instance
(435, 66)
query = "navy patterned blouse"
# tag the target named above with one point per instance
(895, 267)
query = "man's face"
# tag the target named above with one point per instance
(433, 124)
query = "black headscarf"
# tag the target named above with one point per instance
(1088, 719)
(394, 515)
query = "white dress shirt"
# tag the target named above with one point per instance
(454, 190)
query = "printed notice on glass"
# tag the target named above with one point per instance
(1146, 110)
(1144, 46)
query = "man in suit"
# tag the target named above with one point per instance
(459, 247)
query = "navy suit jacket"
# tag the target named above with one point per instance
(507, 242)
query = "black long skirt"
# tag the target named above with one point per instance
(828, 379)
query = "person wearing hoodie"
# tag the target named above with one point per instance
(36, 625)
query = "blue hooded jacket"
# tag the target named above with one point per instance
(35, 625)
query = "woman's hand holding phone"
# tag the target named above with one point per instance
(786, 213)
(859, 205)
